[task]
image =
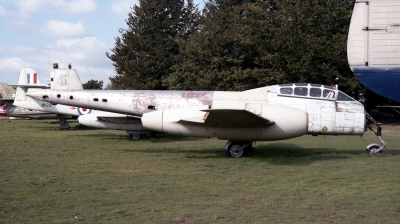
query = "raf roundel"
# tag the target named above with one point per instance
(83, 111)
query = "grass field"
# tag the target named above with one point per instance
(101, 176)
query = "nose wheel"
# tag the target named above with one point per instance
(373, 149)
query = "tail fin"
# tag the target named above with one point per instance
(7, 92)
(28, 78)
(373, 46)
(374, 34)
(65, 79)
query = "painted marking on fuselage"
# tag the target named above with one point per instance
(83, 111)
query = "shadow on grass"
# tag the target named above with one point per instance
(279, 153)
(286, 154)
(122, 136)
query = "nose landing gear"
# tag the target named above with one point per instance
(375, 148)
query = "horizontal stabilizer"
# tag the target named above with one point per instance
(229, 118)
(41, 86)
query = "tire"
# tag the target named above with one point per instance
(134, 136)
(234, 150)
(372, 148)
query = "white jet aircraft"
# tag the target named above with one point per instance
(9, 110)
(264, 114)
(28, 78)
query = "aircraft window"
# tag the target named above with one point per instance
(301, 91)
(287, 91)
(344, 97)
(315, 92)
(96, 99)
(329, 94)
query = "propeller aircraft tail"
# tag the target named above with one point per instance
(373, 46)
(28, 78)
(65, 79)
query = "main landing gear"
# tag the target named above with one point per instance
(375, 148)
(64, 125)
(238, 149)
(137, 136)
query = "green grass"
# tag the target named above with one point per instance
(101, 176)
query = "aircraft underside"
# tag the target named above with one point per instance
(384, 84)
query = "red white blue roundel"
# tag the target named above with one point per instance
(83, 111)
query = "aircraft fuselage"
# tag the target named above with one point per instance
(295, 110)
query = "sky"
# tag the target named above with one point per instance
(37, 33)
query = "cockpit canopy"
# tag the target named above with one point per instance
(313, 91)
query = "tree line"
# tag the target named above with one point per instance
(233, 45)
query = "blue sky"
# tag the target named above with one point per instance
(35, 34)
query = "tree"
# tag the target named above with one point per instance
(247, 44)
(310, 43)
(223, 55)
(93, 84)
(147, 49)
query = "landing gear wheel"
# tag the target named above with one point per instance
(150, 135)
(237, 149)
(64, 125)
(135, 136)
(373, 149)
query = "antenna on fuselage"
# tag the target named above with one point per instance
(335, 83)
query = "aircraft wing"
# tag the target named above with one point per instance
(113, 121)
(117, 118)
(109, 118)
(229, 118)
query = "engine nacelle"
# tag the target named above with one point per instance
(288, 123)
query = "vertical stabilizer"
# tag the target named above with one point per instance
(65, 79)
(374, 34)
(28, 76)
(373, 46)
